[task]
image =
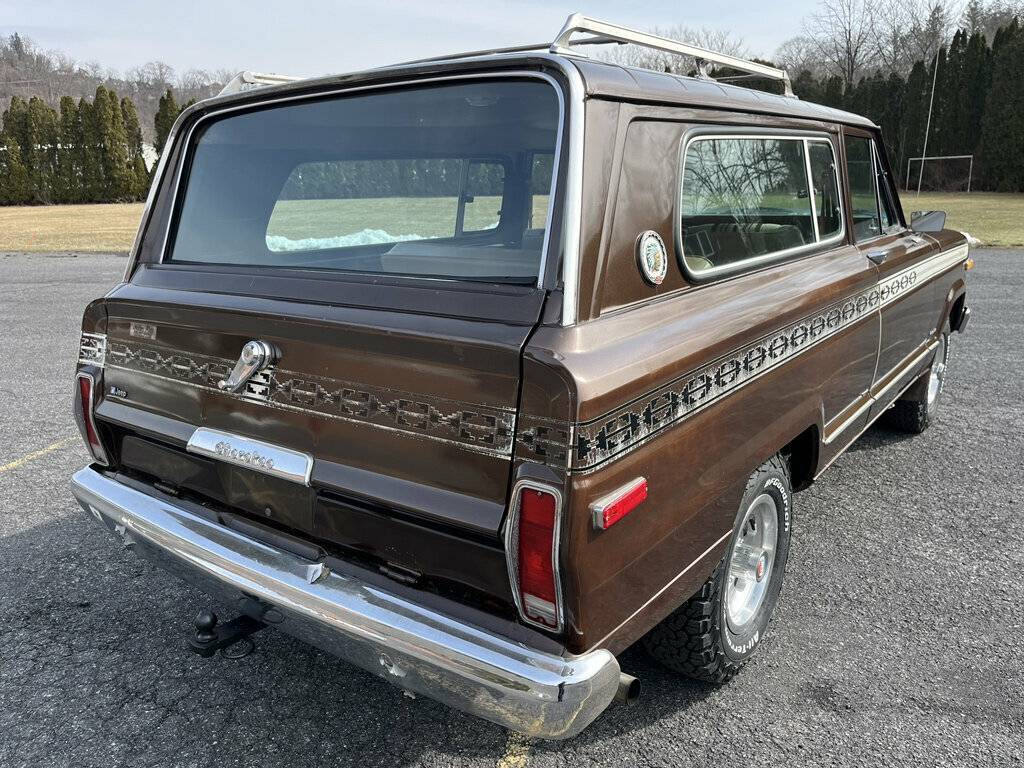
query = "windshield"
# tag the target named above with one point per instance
(449, 181)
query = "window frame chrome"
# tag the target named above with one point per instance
(710, 133)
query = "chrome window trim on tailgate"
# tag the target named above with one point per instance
(189, 146)
(539, 693)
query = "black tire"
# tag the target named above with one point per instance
(915, 410)
(698, 639)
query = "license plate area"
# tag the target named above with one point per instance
(262, 496)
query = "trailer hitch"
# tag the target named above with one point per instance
(212, 636)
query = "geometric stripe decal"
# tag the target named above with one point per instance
(479, 428)
(612, 435)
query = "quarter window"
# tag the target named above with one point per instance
(745, 198)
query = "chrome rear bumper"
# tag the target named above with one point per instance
(540, 694)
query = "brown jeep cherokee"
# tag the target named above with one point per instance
(478, 370)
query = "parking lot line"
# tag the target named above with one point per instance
(517, 751)
(37, 454)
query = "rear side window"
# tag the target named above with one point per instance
(448, 180)
(748, 197)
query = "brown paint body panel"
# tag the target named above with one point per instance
(484, 386)
(425, 400)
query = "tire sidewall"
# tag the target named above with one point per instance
(774, 481)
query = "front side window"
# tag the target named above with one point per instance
(872, 199)
(748, 197)
(448, 181)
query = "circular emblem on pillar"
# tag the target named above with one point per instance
(651, 257)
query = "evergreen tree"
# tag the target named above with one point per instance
(41, 154)
(167, 112)
(15, 188)
(1002, 131)
(90, 154)
(136, 163)
(116, 169)
(69, 153)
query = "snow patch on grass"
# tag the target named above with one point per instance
(364, 237)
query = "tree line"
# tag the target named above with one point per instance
(978, 108)
(878, 58)
(82, 152)
(27, 70)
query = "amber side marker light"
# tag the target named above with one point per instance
(609, 509)
(969, 264)
(84, 416)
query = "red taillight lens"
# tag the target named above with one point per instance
(86, 421)
(536, 556)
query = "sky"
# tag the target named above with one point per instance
(314, 37)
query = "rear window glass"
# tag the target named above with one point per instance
(449, 181)
(749, 197)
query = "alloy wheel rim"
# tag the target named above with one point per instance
(937, 376)
(751, 562)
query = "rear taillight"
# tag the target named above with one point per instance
(86, 420)
(532, 544)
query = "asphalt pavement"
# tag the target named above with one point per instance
(898, 640)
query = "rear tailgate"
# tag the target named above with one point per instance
(412, 413)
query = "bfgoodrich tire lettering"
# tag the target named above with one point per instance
(711, 636)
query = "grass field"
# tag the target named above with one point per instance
(81, 228)
(996, 219)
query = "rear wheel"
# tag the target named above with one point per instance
(714, 633)
(915, 411)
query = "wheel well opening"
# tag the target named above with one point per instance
(956, 312)
(802, 454)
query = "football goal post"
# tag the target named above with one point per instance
(940, 173)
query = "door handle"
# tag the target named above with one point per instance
(878, 256)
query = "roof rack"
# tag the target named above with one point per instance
(605, 32)
(602, 33)
(245, 81)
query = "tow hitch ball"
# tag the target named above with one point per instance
(232, 638)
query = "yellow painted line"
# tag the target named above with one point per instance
(37, 454)
(517, 750)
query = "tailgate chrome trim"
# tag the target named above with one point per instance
(252, 454)
(545, 694)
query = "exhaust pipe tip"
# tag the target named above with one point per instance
(629, 689)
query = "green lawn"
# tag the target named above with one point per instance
(400, 216)
(994, 218)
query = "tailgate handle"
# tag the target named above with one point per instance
(256, 355)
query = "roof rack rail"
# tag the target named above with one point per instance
(245, 81)
(604, 32)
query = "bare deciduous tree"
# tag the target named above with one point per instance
(844, 35)
(647, 58)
